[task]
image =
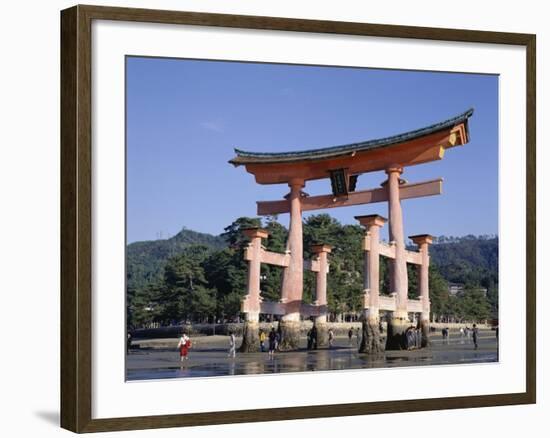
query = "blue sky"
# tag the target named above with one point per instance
(184, 117)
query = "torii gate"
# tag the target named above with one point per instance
(253, 304)
(342, 165)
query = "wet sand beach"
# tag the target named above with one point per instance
(159, 358)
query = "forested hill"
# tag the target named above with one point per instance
(201, 278)
(146, 260)
(470, 260)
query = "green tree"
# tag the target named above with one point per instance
(226, 270)
(412, 274)
(186, 294)
(439, 292)
(226, 274)
(475, 306)
(345, 279)
(142, 306)
(233, 233)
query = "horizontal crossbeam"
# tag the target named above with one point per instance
(280, 259)
(278, 308)
(387, 303)
(268, 257)
(387, 250)
(406, 191)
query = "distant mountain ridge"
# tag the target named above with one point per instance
(146, 259)
(467, 259)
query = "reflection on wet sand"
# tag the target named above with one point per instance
(162, 364)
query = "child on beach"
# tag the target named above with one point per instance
(183, 345)
(262, 340)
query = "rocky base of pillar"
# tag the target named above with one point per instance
(371, 342)
(397, 337)
(425, 330)
(251, 337)
(322, 335)
(290, 335)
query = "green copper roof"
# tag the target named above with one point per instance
(245, 157)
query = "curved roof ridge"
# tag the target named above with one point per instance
(249, 156)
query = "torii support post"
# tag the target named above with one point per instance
(399, 322)
(251, 303)
(293, 275)
(423, 241)
(321, 251)
(371, 341)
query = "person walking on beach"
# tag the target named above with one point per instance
(445, 333)
(279, 337)
(184, 344)
(262, 340)
(475, 334)
(314, 337)
(232, 344)
(272, 342)
(309, 340)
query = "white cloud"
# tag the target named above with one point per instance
(212, 126)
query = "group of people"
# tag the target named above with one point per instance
(273, 339)
(466, 334)
(414, 337)
(471, 334)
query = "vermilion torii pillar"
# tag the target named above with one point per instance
(293, 275)
(397, 326)
(321, 252)
(423, 241)
(251, 341)
(371, 342)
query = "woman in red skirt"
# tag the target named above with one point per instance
(184, 345)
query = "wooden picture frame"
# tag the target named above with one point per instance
(76, 217)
